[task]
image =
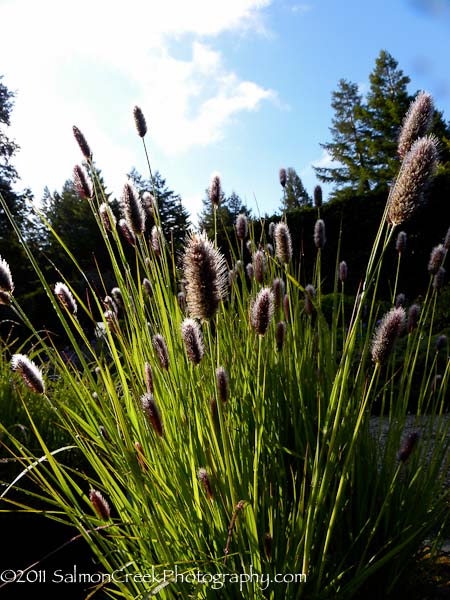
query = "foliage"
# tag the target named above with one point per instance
(294, 192)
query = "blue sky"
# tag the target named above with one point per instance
(241, 87)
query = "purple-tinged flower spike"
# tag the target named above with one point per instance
(223, 387)
(157, 239)
(127, 233)
(148, 378)
(438, 279)
(343, 271)
(151, 409)
(278, 291)
(283, 177)
(205, 272)
(400, 244)
(250, 271)
(262, 311)
(160, 346)
(204, 480)
(413, 317)
(280, 334)
(259, 265)
(400, 300)
(408, 446)
(319, 234)
(286, 307)
(447, 240)
(82, 182)
(283, 243)
(271, 230)
(29, 372)
(388, 331)
(82, 143)
(215, 190)
(6, 282)
(241, 227)
(147, 287)
(65, 298)
(441, 343)
(132, 209)
(436, 257)
(417, 169)
(149, 205)
(310, 294)
(107, 216)
(139, 121)
(417, 122)
(100, 505)
(193, 340)
(318, 196)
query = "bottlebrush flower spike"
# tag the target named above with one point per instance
(417, 122)
(107, 216)
(139, 121)
(29, 372)
(100, 505)
(413, 317)
(241, 227)
(160, 346)
(6, 282)
(152, 411)
(400, 244)
(318, 197)
(65, 298)
(127, 233)
(204, 480)
(280, 334)
(283, 177)
(193, 340)
(82, 143)
(223, 388)
(319, 234)
(436, 257)
(283, 243)
(388, 331)
(132, 209)
(343, 271)
(259, 265)
(215, 190)
(262, 311)
(82, 182)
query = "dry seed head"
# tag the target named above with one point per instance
(417, 168)
(149, 205)
(107, 216)
(310, 294)
(241, 227)
(280, 334)
(117, 296)
(29, 372)
(417, 122)
(388, 331)
(438, 279)
(436, 257)
(343, 271)
(132, 209)
(82, 143)
(6, 282)
(283, 178)
(205, 272)
(259, 265)
(400, 244)
(250, 271)
(413, 317)
(271, 231)
(148, 378)
(278, 291)
(139, 121)
(408, 447)
(262, 311)
(204, 480)
(82, 182)
(160, 346)
(223, 388)
(193, 340)
(157, 239)
(286, 307)
(283, 243)
(318, 197)
(215, 190)
(147, 286)
(127, 232)
(400, 300)
(100, 505)
(319, 234)
(111, 305)
(65, 298)
(150, 408)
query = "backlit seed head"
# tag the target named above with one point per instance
(147, 286)
(149, 205)
(139, 121)
(65, 298)
(250, 271)
(151, 409)
(181, 299)
(278, 291)
(148, 378)
(259, 265)
(160, 346)
(157, 239)
(29, 372)
(310, 294)
(132, 209)
(107, 216)
(319, 234)
(343, 271)
(417, 122)
(82, 143)
(400, 300)
(283, 178)
(100, 505)
(82, 182)
(204, 480)
(388, 331)
(438, 279)
(408, 446)
(416, 171)
(400, 244)
(6, 282)
(283, 243)
(127, 233)
(117, 297)
(193, 340)
(280, 334)
(223, 388)
(262, 311)
(241, 227)
(318, 197)
(111, 305)
(436, 257)
(413, 317)
(215, 190)
(269, 249)
(271, 229)
(205, 272)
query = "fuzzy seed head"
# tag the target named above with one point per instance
(447, 239)
(82, 182)
(149, 205)
(6, 282)
(82, 143)
(107, 216)
(65, 298)
(259, 265)
(193, 340)
(160, 346)
(413, 317)
(286, 307)
(278, 291)
(417, 122)
(29, 372)
(343, 271)
(280, 334)
(310, 294)
(441, 343)
(215, 190)
(139, 121)
(262, 311)
(417, 169)
(205, 272)
(132, 209)
(117, 297)
(127, 233)
(100, 505)
(400, 300)
(388, 331)
(223, 388)
(408, 446)
(436, 257)
(157, 239)
(241, 227)
(400, 244)
(271, 229)
(318, 196)
(147, 286)
(250, 271)
(151, 409)
(438, 279)
(283, 243)
(319, 234)
(283, 178)
(148, 378)
(204, 480)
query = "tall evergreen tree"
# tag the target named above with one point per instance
(226, 213)
(295, 194)
(348, 148)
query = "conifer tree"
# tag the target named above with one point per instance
(294, 192)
